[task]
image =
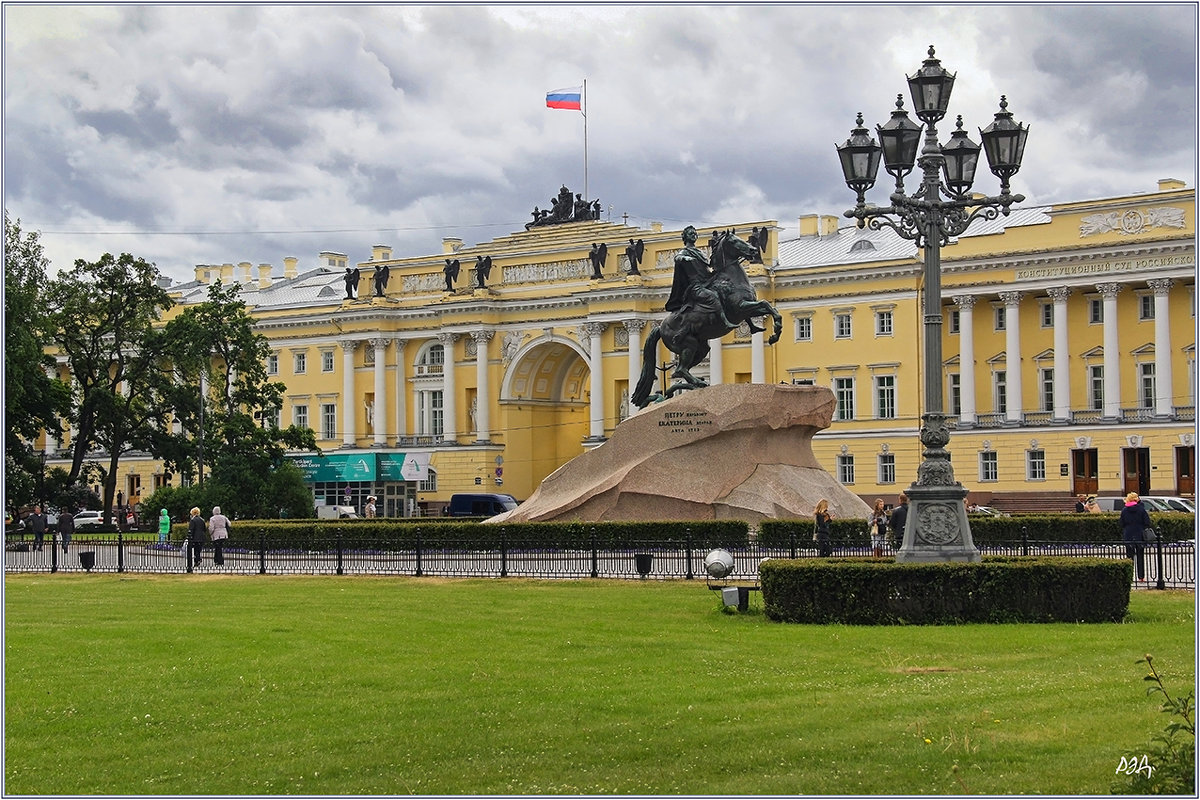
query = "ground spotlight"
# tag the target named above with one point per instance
(718, 564)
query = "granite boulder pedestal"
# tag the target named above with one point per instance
(733, 451)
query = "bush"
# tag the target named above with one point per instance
(999, 589)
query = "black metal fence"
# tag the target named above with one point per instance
(1169, 565)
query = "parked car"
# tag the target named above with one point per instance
(1150, 502)
(480, 505)
(90, 519)
(988, 510)
(336, 512)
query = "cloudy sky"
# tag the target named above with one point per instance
(225, 133)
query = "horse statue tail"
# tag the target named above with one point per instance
(641, 394)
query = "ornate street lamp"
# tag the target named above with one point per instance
(939, 209)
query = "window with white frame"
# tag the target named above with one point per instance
(887, 468)
(883, 323)
(843, 392)
(273, 364)
(430, 412)
(326, 361)
(1035, 465)
(1000, 391)
(804, 329)
(955, 393)
(1096, 386)
(1146, 384)
(431, 360)
(329, 420)
(299, 363)
(430, 483)
(1145, 306)
(1000, 315)
(989, 467)
(1095, 311)
(845, 468)
(955, 321)
(1047, 388)
(842, 328)
(1047, 309)
(300, 415)
(885, 396)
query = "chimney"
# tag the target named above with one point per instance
(264, 275)
(226, 274)
(245, 268)
(451, 244)
(829, 224)
(202, 273)
(809, 225)
(1170, 184)
(289, 267)
(381, 252)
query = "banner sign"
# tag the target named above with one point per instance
(356, 467)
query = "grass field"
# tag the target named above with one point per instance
(298, 685)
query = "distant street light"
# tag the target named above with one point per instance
(937, 527)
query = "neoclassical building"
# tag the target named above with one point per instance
(1069, 342)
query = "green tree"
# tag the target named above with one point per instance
(34, 399)
(231, 427)
(105, 317)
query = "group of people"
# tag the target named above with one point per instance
(1087, 503)
(217, 528)
(879, 523)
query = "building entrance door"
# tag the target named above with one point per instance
(1085, 475)
(1136, 461)
(1185, 471)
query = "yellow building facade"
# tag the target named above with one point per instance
(1068, 331)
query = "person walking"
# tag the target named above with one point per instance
(195, 536)
(877, 523)
(164, 525)
(369, 510)
(37, 522)
(1134, 522)
(897, 521)
(218, 531)
(66, 527)
(821, 533)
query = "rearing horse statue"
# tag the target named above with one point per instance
(687, 330)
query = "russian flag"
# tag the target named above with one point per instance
(569, 98)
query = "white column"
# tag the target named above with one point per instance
(716, 362)
(634, 350)
(401, 394)
(1012, 354)
(593, 330)
(1112, 351)
(758, 358)
(966, 358)
(1164, 396)
(449, 390)
(348, 401)
(379, 409)
(483, 399)
(1062, 355)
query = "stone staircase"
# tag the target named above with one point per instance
(1033, 502)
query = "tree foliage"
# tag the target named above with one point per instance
(34, 398)
(106, 321)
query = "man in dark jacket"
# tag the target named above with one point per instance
(66, 527)
(36, 522)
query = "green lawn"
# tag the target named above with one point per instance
(320, 685)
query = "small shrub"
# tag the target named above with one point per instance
(1169, 763)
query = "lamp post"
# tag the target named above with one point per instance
(937, 527)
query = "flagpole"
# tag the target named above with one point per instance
(583, 110)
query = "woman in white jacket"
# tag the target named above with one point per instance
(218, 531)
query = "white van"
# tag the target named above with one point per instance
(336, 512)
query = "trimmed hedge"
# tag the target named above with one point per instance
(1073, 528)
(861, 591)
(404, 534)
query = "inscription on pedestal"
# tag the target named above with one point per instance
(685, 421)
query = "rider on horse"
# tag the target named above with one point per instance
(690, 288)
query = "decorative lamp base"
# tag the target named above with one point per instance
(937, 529)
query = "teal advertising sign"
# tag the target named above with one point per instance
(344, 467)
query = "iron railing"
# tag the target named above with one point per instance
(1167, 565)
